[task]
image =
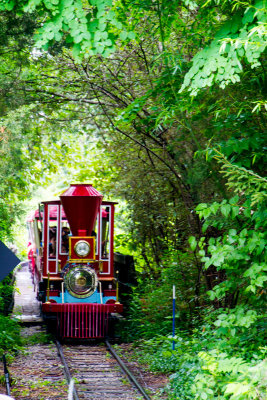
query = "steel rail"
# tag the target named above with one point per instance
(126, 371)
(6, 373)
(122, 365)
(66, 369)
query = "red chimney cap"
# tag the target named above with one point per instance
(81, 189)
(81, 203)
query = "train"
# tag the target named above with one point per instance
(71, 257)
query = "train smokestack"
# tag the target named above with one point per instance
(81, 204)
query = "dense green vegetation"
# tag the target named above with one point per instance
(161, 105)
(10, 340)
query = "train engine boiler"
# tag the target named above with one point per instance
(74, 262)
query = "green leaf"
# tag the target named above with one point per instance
(217, 259)
(131, 35)
(201, 206)
(234, 200)
(226, 209)
(192, 242)
(10, 5)
(235, 211)
(123, 35)
(214, 208)
(76, 51)
(232, 232)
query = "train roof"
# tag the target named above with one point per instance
(53, 211)
(53, 214)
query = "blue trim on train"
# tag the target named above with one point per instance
(94, 298)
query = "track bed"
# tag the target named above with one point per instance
(39, 374)
(96, 373)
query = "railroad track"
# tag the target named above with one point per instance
(98, 373)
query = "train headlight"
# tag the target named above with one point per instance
(81, 281)
(82, 248)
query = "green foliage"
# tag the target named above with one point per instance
(209, 361)
(16, 138)
(10, 341)
(89, 28)
(240, 179)
(150, 310)
(229, 378)
(238, 330)
(239, 252)
(6, 220)
(37, 338)
(182, 364)
(6, 294)
(242, 37)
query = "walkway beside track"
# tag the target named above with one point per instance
(26, 307)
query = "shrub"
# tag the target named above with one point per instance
(10, 341)
(150, 310)
(224, 377)
(6, 294)
(223, 358)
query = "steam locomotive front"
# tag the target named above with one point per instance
(79, 291)
(81, 204)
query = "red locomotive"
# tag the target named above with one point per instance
(72, 261)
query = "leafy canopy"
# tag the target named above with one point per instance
(241, 40)
(89, 27)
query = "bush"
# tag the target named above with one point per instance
(182, 363)
(224, 377)
(145, 318)
(150, 310)
(223, 359)
(10, 341)
(6, 294)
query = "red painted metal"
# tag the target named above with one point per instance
(57, 307)
(112, 240)
(81, 204)
(83, 321)
(54, 293)
(110, 292)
